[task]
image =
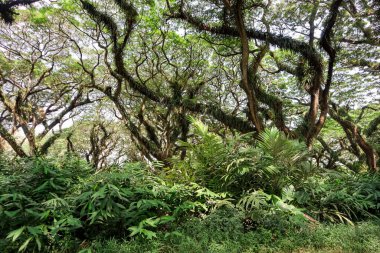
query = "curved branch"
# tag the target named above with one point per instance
(7, 9)
(12, 142)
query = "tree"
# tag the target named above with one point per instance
(40, 90)
(231, 18)
(260, 44)
(241, 65)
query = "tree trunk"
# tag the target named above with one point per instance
(251, 96)
(356, 136)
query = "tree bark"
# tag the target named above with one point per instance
(251, 96)
(356, 136)
(12, 142)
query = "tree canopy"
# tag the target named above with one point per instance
(242, 65)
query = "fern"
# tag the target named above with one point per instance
(234, 165)
(254, 200)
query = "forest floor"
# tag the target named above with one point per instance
(340, 238)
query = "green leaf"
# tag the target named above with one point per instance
(25, 244)
(148, 234)
(93, 217)
(12, 214)
(166, 219)
(39, 245)
(151, 222)
(34, 230)
(100, 193)
(134, 230)
(174, 233)
(41, 187)
(16, 233)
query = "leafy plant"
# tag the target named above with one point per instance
(340, 197)
(34, 211)
(238, 163)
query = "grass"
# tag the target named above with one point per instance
(196, 238)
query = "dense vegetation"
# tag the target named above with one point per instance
(189, 126)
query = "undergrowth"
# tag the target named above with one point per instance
(198, 236)
(227, 195)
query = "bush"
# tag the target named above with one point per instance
(33, 208)
(231, 195)
(342, 197)
(47, 205)
(237, 164)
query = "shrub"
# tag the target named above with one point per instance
(237, 163)
(337, 196)
(33, 210)
(47, 205)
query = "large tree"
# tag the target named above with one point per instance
(40, 89)
(242, 65)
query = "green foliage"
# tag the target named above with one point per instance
(45, 204)
(203, 236)
(271, 212)
(233, 164)
(33, 208)
(228, 191)
(274, 166)
(40, 16)
(341, 197)
(68, 5)
(225, 189)
(206, 158)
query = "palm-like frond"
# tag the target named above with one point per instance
(254, 200)
(276, 145)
